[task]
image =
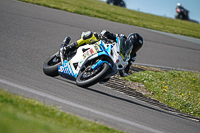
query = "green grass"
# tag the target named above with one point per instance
(99, 9)
(21, 115)
(177, 89)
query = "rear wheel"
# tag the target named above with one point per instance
(90, 77)
(50, 66)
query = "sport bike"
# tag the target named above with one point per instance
(90, 63)
(182, 14)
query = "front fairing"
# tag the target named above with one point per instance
(73, 66)
(83, 55)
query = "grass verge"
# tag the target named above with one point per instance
(21, 115)
(178, 89)
(99, 9)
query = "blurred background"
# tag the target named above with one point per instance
(166, 8)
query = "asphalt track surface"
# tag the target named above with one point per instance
(29, 34)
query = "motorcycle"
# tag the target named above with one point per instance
(182, 14)
(120, 3)
(89, 64)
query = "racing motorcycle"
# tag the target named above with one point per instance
(182, 14)
(90, 63)
(120, 3)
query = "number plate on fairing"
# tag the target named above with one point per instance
(91, 51)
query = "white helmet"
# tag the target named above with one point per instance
(178, 4)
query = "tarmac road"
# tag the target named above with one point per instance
(29, 34)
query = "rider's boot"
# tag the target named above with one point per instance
(124, 73)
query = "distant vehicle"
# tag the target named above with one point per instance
(120, 3)
(182, 13)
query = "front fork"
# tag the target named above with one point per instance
(61, 54)
(95, 66)
(63, 45)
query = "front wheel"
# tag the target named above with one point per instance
(90, 77)
(50, 66)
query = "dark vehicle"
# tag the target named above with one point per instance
(120, 3)
(182, 14)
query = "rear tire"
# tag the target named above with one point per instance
(102, 72)
(50, 66)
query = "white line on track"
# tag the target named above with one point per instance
(79, 106)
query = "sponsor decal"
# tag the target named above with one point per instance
(67, 69)
(91, 51)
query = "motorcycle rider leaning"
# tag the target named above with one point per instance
(185, 11)
(129, 45)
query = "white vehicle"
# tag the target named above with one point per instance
(90, 63)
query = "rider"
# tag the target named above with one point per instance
(186, 12)
(132, 43)
(180, 6)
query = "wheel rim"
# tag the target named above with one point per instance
(89, 73)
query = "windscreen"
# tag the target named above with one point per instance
(125, 48)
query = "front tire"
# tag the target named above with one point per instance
(85, 81)
(50, 66)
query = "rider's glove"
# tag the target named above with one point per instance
(108, 35)
(121, 35)
(101, 37)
